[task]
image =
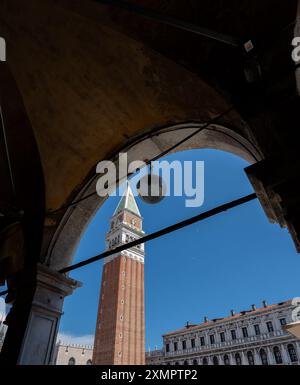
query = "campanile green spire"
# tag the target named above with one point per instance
(128, 202)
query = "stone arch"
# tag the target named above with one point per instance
(72, 361)
(75, 221)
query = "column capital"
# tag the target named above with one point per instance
(46, 310)
(275, 182)
(52, 288)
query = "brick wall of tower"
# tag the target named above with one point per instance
(120, 331)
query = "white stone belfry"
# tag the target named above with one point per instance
(125, 227)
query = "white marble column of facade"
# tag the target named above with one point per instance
(257, 360)
(40, 336)
(297, 344)
(284, 354)
(222, 359)
(232, 359)
(271, 359)
(243, 358)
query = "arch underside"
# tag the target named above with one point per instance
(77, 218)
(92, 84)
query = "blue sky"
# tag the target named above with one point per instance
(229, 261)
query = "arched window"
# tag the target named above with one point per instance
(263, 357)
(89, 362)
(215, 360)
(72, 361)
(176, 363)
(186, 363)
(277, 355)
(250, 358)
(292, 353)
(238, 359)
(226, 360)
(205, 361)
(195, 362)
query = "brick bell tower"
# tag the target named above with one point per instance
(120, 329)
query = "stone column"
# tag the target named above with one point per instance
(284, 355)
(220, 358)
(243, 358)
(275, 183)
(257, 360)
(297, 344)
(40, 337)
(270, 356)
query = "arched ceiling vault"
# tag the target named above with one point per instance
(63, 245)
(92, 76)
(87, 88)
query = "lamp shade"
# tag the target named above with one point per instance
(151, 188)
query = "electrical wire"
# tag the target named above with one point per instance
(159, 233)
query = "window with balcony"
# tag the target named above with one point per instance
(245, 332)
(233, 335)
(277, 355)
(167, 348)
(257, 330)
(292, 353)
(193, 343)
(202, 341)
(212, 339)
(222, 337)
(184, 345)
(175, 346)
(282, 321)
(270, 326)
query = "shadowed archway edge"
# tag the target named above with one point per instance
(76, 220)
